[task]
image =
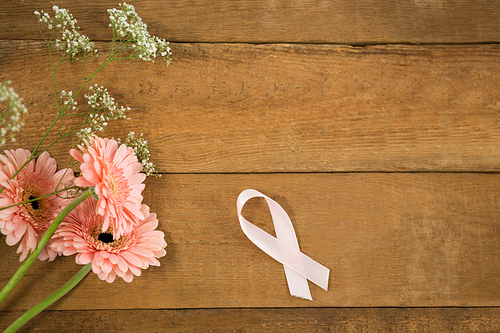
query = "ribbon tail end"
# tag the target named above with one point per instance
(307, 297)
(324, 284)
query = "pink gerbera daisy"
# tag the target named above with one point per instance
(28, 222)
(115, 173)
(81, 232)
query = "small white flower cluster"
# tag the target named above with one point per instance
(69, 104)
(141, 150)
(62, 19)
(10, 116)
(71, 42)
(128, 26)
(100, 101)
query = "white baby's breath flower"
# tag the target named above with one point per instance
(141, 150)
(103, 109)
(70, 41)
(11, 108)
(128, 26)
(68, 103)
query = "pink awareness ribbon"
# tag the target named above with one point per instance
(284, 247)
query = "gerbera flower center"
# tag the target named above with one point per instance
(40, 213)
(37, 210)
(34, 204)
(105, 237)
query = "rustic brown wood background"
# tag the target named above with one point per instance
(375, 124)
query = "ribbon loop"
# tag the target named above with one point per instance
(284, 247)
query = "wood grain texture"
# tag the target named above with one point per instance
(389, 240)
(265, 320)
(289, 108)
(286, 21)
(257, 91)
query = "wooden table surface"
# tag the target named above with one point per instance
(375, 124)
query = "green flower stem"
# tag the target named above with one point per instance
(41, 244)
(49, 300)
(56, 119)
(42, 197)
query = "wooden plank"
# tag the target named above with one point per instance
(265, 320)
(308, 21)
(289, 108)
(390, 240)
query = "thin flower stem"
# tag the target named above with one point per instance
(39, 198)
(60, 61)
(54, 72)
(33, 154)
(49, 300)
(41, 244)
(112, 44)
(83, 66)
(57, 104)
